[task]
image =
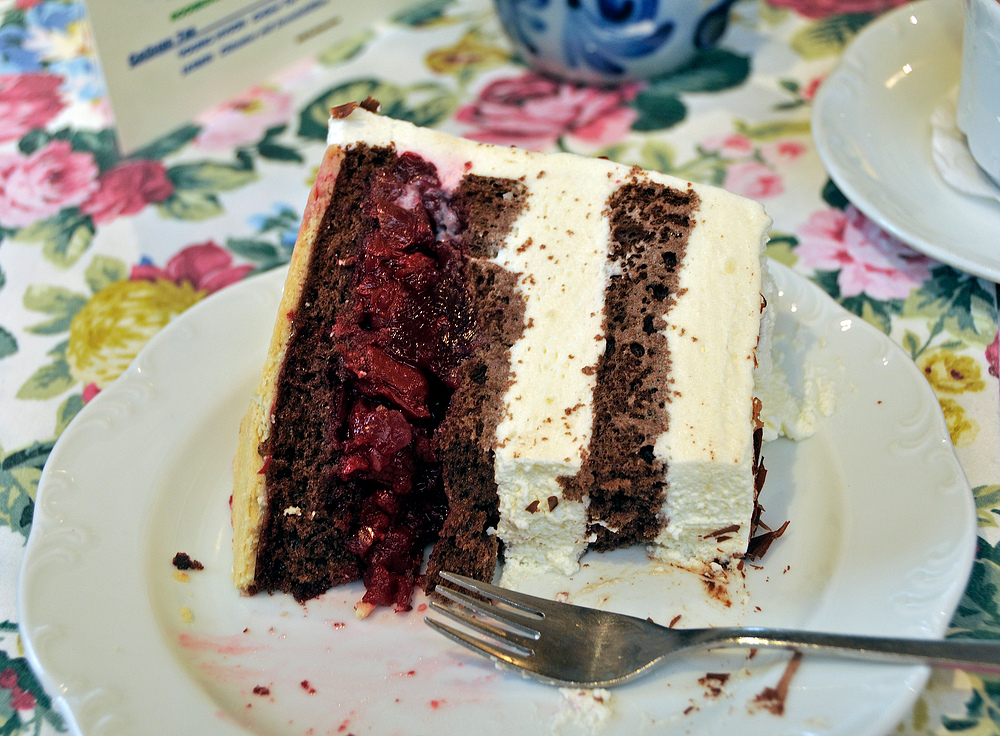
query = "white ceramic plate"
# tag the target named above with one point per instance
(871, 123)
(881, 541)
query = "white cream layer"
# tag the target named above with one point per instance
(559, 247)
(712, 338)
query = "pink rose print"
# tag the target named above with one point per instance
(870, 260)
(90, 391)
(206, 266)
(19, 699)
(27, 102)
(126, 189)
(824, 8)
(753, 179)
(782, 152)
(37, 186)
(533, 112)
(993, 356)
(243, 119)
(808, 92)
(732, 145)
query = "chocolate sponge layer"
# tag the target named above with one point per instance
(650, 225)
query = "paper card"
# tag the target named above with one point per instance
(166, 61)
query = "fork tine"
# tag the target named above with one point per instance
(519, 643)
(480, 646)
(520, 601)
(494, 612)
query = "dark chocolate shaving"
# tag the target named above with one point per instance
(760, 544)
(772, 699)
(723, 531)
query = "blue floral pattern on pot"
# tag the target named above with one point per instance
(602, 41)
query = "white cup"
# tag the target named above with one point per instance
(979, 96)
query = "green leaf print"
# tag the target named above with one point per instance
(658, 112)
(277, 152)
(659, 104)
(48, 381)
(314, 117)
(170, 143)
(955, 303)
(773, 130)
(190, 206)
(19, 474)
(33, 140)
(833, 196)
(102, 145)
(434, 105)
(15, 717)
(781, 248)
(987, 504)
(874, 312)
(827, 280)
(911, 343)
(657, 155)
(210, 176)
(67, 411)
(346, 49)
(103, 271)
(252, 250)
(64, 237)
(8, 343)
(977, 616)
(829, 36)
(59, 303)
(983, 710)
(422, 14)
(270, 149)
(422, 104)
(710, 71)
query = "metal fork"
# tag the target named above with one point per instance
(563, 644)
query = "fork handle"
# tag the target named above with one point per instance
(972, 655)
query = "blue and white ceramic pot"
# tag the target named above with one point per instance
(610, 41)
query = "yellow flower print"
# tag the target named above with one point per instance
(470, 53)
(962, 429)
(951, 373)
(108, 332)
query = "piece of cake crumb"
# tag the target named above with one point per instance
(184, 561)
(186, 615)
(589, 710)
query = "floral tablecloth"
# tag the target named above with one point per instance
(100, 251)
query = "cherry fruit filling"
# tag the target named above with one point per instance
(400, 340)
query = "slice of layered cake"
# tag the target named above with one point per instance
(510, 356)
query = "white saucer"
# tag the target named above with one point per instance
(871, 123)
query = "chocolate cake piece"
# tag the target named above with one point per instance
(503, 355)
